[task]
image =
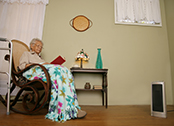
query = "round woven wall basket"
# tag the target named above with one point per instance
(81, 23)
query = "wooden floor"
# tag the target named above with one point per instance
(138, 115)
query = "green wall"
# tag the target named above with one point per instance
(169, 7)
(134, 55)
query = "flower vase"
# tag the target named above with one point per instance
(99, 64)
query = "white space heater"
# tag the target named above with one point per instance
(158, 102)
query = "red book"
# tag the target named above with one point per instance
(59, 60)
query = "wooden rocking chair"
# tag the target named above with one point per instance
(34, 94)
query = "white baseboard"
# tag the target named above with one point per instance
(3, 88)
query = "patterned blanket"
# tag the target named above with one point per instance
(63, 104)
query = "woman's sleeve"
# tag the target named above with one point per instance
(23, 61)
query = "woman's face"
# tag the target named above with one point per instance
(37, 47)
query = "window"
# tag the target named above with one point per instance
(138, 12)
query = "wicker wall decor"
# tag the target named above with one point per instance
(81, 23)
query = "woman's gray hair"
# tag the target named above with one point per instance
(33, 41)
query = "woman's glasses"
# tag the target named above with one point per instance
(39, 46)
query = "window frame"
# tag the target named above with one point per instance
(131, 23)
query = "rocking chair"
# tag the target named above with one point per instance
(32, 94)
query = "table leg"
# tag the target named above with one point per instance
(106, 98)
(103, 98)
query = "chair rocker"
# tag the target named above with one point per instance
(32, 95)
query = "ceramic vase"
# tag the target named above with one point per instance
(99, 64)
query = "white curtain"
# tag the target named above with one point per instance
(22, 20)
(138, 11)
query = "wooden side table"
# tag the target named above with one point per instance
(94, 71)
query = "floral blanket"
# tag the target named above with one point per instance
(63, 104)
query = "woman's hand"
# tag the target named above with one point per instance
(27, 65)
(45, 63)
(41, 64)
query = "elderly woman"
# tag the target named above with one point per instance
(63, 104)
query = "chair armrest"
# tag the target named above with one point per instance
(19, 73)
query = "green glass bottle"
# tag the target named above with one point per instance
(99, 64)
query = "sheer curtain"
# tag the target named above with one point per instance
(138, 11)
(22, 20)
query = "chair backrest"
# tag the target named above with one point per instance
(18, 49)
